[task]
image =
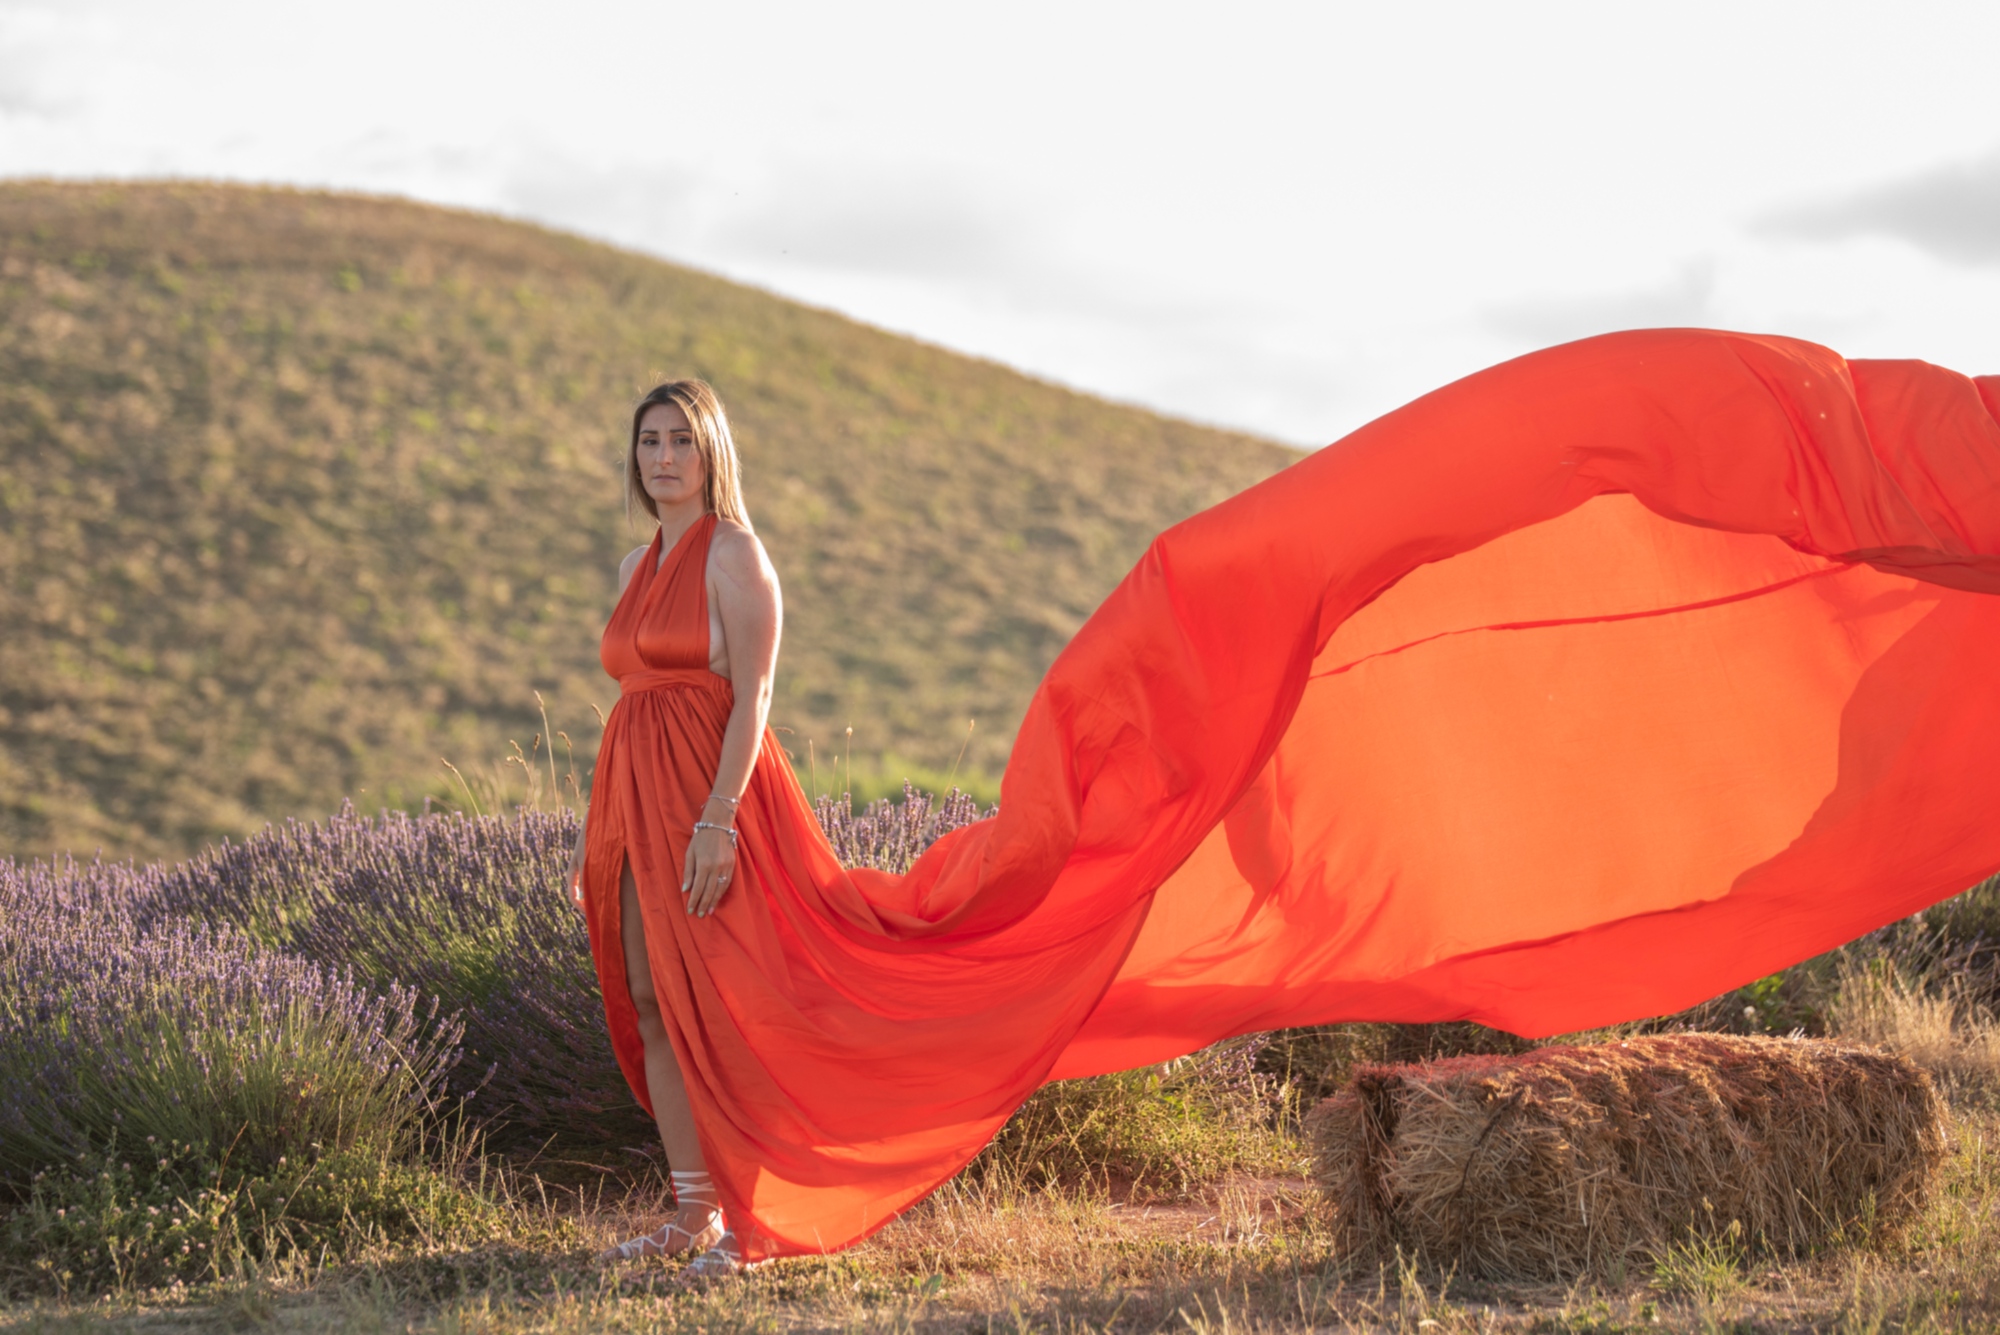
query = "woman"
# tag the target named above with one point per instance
(703, 645)
(1580, 690)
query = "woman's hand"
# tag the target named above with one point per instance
(711, 860)
(573, 882)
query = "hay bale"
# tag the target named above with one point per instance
(1567, 1161)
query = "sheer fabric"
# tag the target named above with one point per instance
(1579, 690)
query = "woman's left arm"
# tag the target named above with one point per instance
(752, 612)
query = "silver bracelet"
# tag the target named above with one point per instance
(704, 825)
(718, 797)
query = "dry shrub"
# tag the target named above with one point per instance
(1593, 1160)
(1938, 1024)
(1316, 1062)
(1162, 1131)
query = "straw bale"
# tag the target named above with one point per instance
(1573, 1160)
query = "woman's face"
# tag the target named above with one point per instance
(670, 467)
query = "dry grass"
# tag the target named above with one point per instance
(977, 1260)
(1595, 1160)
(1936, 1023)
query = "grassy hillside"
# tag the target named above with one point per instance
(299, 492)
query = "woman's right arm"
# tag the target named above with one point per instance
(625, 569)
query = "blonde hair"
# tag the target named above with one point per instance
(722, 487)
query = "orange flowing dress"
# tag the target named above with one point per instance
(1580, 690)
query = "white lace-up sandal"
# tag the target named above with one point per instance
(692, 1191)
(721, 1260)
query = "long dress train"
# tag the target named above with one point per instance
(1579, 690)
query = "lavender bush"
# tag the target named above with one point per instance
(890, 835)
(467, 912)
(471, 912)
(190, 1033)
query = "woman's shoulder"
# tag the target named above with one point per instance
(735, 539)
(736, 550)
(630, 564)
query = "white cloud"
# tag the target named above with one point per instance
(1290, 221)
(1952, 212)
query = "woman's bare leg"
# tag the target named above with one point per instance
(663, 1069)
(663, 1072)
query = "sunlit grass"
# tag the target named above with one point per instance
(300, 492)
(980, 1257)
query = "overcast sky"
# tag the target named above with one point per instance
(1288, 218)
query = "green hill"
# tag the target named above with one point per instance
(300, 492)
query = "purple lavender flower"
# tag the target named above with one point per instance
(190, 1032)
(192, 994)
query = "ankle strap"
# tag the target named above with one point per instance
(693, 1186)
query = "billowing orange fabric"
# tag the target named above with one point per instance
(1580, 690)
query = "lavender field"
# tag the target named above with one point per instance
(353, 1074)
(343, 993)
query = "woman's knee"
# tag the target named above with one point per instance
(647, 1004)
(639, 969)
(652, 1032)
